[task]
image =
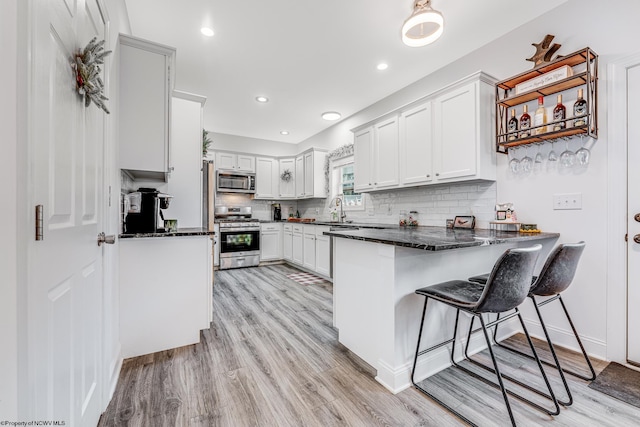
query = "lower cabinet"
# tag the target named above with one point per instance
(323, 251)
(303, 245)
(298, 245)
(287, 242)
(309, 250)
(270, 242)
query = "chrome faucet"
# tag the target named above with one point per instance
(339, 202)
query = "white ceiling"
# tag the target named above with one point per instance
(309, 56)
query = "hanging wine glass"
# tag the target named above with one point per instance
(553, 157)
(526, 164)
(583, 155)
(514, 163)
(567, 157)
(537, 161)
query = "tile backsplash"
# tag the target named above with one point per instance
(434, 204)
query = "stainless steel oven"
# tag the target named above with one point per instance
(239, 238)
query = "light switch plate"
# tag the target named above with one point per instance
(567, 201)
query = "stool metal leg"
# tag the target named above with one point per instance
(515, 380)
(575, 333)
(419, 353)
(549, 396)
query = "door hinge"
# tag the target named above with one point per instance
(39, 225)
(626, 237)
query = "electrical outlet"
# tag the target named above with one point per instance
(567, 201)
(317, 211)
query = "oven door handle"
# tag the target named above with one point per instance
(238, 229)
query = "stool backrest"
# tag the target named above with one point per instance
(559, 269)
(509, 281)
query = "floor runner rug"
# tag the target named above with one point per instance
(620, 382)
(306, 278)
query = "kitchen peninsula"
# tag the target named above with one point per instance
(376, 272)
(165, 289)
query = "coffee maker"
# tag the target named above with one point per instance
(277, 212)
(144, 212)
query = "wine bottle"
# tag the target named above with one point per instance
(580, 109)
(559, 115)
(525, 123)
(512, 127)
(540, 117)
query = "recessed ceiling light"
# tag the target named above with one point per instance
(284, 132)
(331, 115)
(262, 99)
(207, 31)
(382, 66)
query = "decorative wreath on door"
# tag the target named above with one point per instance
(87, 70)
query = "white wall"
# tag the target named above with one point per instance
(8, 214)
(224, 142)
(576, 24)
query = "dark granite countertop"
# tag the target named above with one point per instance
(189, 231)
(335, 224)
(437, 238)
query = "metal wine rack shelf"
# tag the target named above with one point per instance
(584, 64)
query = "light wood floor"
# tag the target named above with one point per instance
(271, 358)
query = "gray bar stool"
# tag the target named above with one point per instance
(555, 277)
(506, 288)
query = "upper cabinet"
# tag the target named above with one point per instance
(376, 156)
(287, 186)
(310, 174)
(267, 177)
(445, 137)
(235, 162)
(363, 159)
(416, 145)
(146, 83)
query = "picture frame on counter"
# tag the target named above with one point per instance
(465, 222)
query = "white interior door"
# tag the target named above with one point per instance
(633, 225)
(66, 177)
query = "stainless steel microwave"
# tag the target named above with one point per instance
(235, 182)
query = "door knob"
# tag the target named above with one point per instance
(637, 217)
(103, 238)
(636, 238)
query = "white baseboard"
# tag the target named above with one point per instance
(398, 379)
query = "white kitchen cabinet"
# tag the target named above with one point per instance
(297, 247)
(165, 292)
(270, 241)
(216, 245)
(144, 108)
(299, 177)
(323, 251)
(235, 162)
(363, 159)
(376, 156)
(386, 150)
(310, 177)
(287, 242)
(267, 177)
(309, 249)
(185, 181)
(416, 145)
(456, 120)
(287, 189)
(444, 137)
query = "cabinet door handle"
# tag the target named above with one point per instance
(437, 174)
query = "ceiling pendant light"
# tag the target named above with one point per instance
(424, 26)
